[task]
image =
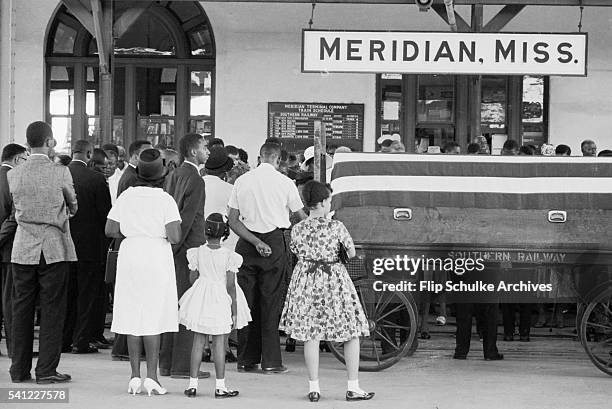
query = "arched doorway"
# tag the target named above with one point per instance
(163, 74)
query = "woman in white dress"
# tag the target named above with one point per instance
(145, 303)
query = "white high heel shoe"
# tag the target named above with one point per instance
(150, 386)
(134, 386)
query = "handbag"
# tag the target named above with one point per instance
(112, 253)
(342, 254)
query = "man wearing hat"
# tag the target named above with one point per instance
(44, 200)
(187, 188)
(218, 191)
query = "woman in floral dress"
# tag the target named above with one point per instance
(322, 304)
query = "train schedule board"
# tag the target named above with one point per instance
(342, 123)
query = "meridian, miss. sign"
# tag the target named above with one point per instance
(444, 52)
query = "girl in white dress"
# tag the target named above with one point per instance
(214, 304)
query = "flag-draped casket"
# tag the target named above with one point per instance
(508, 210)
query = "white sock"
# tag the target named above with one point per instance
(220, 384)
(193, 383)
(353, 386)
(313, 386)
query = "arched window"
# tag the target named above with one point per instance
(163, 74)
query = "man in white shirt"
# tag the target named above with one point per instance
(259, 208)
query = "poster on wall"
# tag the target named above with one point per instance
(444, 52)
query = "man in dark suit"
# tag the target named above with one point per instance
(187, 187)
(128, 179)
(87, 230)
(12, 155)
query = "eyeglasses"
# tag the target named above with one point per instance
(21, 158)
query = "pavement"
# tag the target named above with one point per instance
(552, 371)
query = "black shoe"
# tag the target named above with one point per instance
(425, 335)
(102, 343)
(24, 378)
(201, 375)
(247, 368)
(524, 338)
(290, 345)
(222, 394)
(353, 396)
(55, 378)
(497, 357)
(314, 396)
(89, 349)
(458, 356)
(190, 393)
(275, 369)
(230, 357)
(508, 337)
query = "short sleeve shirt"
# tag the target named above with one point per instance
(144, 212)
(264, 197)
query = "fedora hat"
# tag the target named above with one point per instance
(150, 166)
(218, 160)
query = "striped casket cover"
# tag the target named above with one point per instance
(475, 201)
(471, 181)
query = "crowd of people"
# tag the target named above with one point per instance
(205, 246)
(202, 249)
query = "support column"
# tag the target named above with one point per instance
(130, 118)
(475, 81)
(408, 114)
(515, 108)
(181, 116)
(79, 121)
(102, 12)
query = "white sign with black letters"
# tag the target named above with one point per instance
(444, 52)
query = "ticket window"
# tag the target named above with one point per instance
(435, 112)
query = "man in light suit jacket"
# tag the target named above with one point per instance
(187, 187)
(44, 199)
(87, 230)
(12, 155)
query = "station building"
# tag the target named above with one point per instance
(226, 68)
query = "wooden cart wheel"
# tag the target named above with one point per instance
(596, 330)
(582, 303)
(392, 318)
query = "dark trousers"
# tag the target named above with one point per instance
(50, 282)
(262, 281)
(120, 346)
(99, 312)
(508, 314)
(175, 350)
(488, 314)
(6, 281)
(85, 280)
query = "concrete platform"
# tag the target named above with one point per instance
(549, 372)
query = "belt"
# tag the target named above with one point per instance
(316, 264)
